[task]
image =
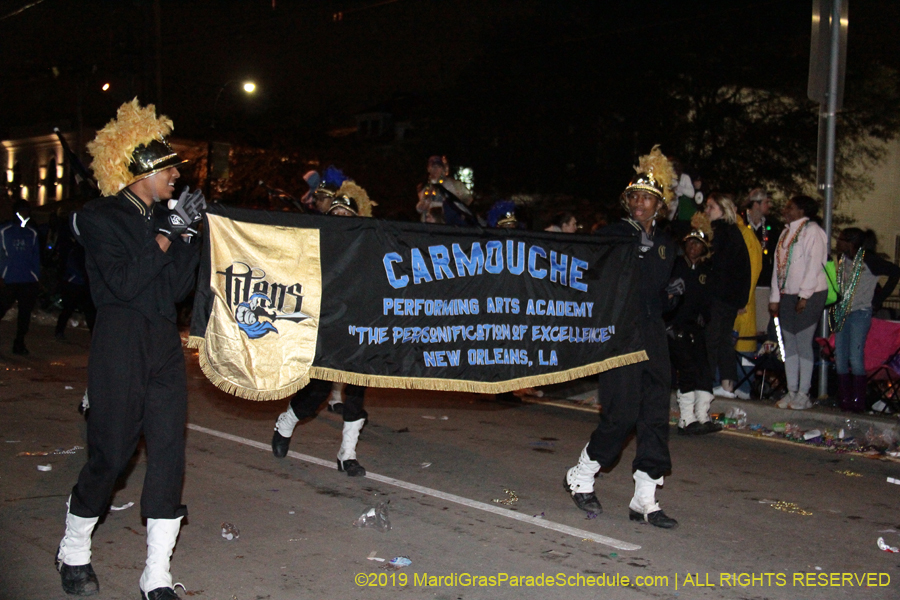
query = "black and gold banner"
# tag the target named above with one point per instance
(284, 297)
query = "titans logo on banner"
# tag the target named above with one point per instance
(263, 327)
(258, 303)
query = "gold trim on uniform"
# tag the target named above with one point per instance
(138, 203)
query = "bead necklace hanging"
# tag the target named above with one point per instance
(785, 253)
(763, 237)
(842, 308)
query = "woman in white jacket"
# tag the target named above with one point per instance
(799, 289)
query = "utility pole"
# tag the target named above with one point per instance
(827, 66)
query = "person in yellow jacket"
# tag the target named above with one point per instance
(745, 323)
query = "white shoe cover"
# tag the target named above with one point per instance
(644, 500)
(581, 477)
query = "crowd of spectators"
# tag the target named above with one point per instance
(746, 248)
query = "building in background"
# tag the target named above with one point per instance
(880, 209)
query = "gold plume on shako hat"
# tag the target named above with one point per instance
(654, 175)
(354, 198)
(132, 147)
(701, 229)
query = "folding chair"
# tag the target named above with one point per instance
(882, 363)
(762, 370)
(883, 366)
(883, 385)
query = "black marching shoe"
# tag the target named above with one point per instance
(710, 427)
(351, 467)
(78, 581)
(586, 502)
(280, 445)
(337, 408)
(160, 594)
(657, 518)
(695, 428)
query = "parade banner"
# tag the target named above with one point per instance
(284, 297)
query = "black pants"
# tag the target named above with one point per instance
(720, 341)
(687, 347)
(307, 401)
(26, 295)
(75, 297)
(636, 397)
(137, 385)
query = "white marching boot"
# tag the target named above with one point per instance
(687, 422)
(284, 428)
(336, 398)
(156, 581)
(346, 457)
(701, 411)
(73, 559)
(579, 482)
(643, 506)
(286, 422)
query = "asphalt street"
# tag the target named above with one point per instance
(474, 491)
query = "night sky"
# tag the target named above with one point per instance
(480, 80)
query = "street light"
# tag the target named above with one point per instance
(249, 88)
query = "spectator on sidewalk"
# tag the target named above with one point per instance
(20, 270)
(683, 207)
(745, 323)
(797, 298)
(730, 289)
(765, 227)
(563, 222)
(859, 294)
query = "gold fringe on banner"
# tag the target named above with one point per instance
(409, 383)
(230, 387)
(479, 387)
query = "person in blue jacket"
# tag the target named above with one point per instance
(20, 271)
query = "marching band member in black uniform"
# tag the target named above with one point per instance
(637, 396)
(318, 201)
(350, 200)
(685, 326)
(140, 264)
